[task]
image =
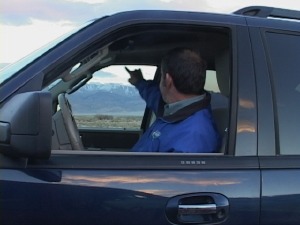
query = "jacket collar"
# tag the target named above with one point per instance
(185, 112)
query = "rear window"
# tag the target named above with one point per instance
(284, 58)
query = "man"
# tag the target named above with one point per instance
(185, 122)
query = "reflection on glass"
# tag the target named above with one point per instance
(246, 104)
(246, 126)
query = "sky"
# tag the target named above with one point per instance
(26, 25)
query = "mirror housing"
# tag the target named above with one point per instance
(26, 125)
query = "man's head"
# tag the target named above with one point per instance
(185, 70)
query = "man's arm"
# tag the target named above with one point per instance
(149, 90)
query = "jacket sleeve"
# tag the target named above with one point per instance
(149, 91)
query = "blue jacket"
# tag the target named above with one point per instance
(190, 129)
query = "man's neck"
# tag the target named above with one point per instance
(176, 97)
(172, 108)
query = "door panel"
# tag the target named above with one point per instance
(280, 203)
(102, 139)
(130, 196)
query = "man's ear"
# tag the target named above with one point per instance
(168, 81)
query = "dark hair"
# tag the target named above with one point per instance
(187, 68)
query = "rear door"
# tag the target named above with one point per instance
(88, 187)
(277, 55)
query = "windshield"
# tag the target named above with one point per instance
(10, 70)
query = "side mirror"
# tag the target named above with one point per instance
(26, 125)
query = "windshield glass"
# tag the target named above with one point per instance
(10, 70)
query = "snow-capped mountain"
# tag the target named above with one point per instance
(96, 98)
(110, 87)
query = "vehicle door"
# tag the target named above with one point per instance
(277, 54)
(93, 187)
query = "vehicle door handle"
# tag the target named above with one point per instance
(198, 208)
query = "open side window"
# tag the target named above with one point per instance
(108, 110)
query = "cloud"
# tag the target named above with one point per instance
(18, 41)
(89, 1)
(26, 25)
(21, 12)
(2, 65)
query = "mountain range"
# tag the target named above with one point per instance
(107, 99)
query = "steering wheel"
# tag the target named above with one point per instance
(69, 122)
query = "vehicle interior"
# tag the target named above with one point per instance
(139, 46)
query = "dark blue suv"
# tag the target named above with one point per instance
(68, 121)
